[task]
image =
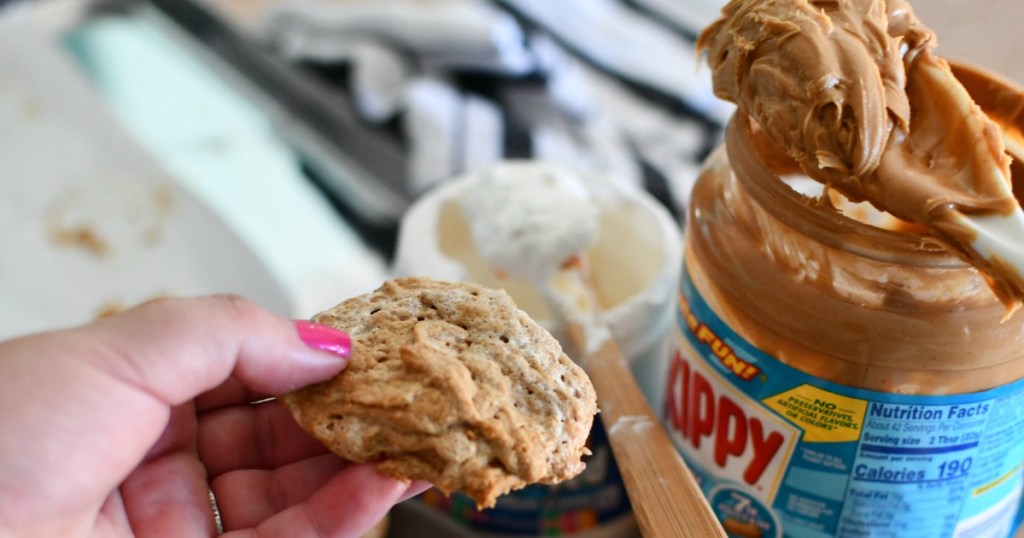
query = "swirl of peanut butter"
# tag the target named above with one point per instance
(852, 91)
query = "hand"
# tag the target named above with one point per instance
(123, 427)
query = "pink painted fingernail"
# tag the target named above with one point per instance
(325, 338)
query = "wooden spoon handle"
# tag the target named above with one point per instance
(665, 496)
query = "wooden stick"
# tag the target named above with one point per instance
(665, 496)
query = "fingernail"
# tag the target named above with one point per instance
(325, 338)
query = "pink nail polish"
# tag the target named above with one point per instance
(325, 338)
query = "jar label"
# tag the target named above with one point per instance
(779, 452)
(592, 500)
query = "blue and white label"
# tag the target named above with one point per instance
(781, 453)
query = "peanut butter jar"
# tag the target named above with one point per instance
(835, 377)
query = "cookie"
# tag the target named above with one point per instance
(451, 383)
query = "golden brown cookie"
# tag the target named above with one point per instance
(451, 383)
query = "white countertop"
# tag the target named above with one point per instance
(150, 177)
(226, 152)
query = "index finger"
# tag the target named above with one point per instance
(176, 349)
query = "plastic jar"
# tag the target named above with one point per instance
(635, 262)
(832, 378)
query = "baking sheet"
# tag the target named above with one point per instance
(89, 223)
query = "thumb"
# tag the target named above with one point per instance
(177, 349)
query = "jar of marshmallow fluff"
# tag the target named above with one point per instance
(834, 372)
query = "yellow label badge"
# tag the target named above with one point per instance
(825, 417)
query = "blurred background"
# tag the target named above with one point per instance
(270, 147)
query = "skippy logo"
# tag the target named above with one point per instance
(715, 425)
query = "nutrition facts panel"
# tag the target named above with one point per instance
(924, 471)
